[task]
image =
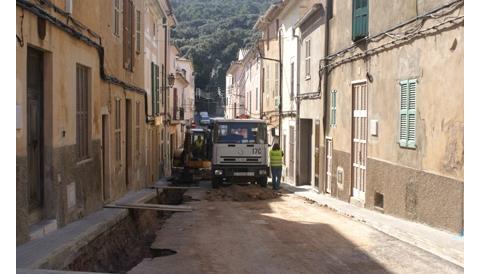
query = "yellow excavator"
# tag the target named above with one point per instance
(193, 162)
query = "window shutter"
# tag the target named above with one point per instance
(132, 35)
(403, 113)
(157, 89)
(333, 108)
(152, 72)
(412, 105)
(126, 33)
(359, 19)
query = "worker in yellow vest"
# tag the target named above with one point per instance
(276, 159)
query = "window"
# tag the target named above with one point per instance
(83, 115)
(137, 128)
(359, 19)
(118, 130)
(307, 59)
(116, 17)
(333, 108)
(408, 100)
(240, 133)
(138, 34)
(128, 34)
(164, 86)
(292, 80)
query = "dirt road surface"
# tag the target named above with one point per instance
(246, 229)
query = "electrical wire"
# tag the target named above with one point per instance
(436, 13)
(400, 37)
(20, 38)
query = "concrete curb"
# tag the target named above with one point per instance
(61, 247)
(46, 271)
(443, 244)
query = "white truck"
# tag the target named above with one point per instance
(239, 152)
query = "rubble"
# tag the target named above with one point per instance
(242, 193)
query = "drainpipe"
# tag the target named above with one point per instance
(325, 85)
(297, 117)
(280, 80)
(165, 131)
(262, 86)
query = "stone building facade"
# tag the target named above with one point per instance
(83, 111)
(372, 105)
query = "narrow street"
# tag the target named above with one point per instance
(234, 230)
(239, 136)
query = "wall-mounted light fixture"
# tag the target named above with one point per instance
(171, 80)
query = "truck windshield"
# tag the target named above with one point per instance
(240, 133)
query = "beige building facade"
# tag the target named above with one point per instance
(268, 25)
(235, 91)
(396, 117)
(83, 117)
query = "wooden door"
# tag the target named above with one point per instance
(359, 141)
(317, 154)
(329, 147)
(105, 159)
(128, 143)
(35, 131)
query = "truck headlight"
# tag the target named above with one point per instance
(262, 172)
(218, 172)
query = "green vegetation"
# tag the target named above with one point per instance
(212, 31)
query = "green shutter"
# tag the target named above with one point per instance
(154, 99)
(359, 19)
(408, 110)
(333, 108)
(412, 110)
(403, 113)
(157, 88)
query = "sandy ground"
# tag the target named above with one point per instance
(246, 229)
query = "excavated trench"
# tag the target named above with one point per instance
(126, 244)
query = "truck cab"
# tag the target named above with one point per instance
(239, 153)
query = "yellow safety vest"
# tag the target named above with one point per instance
(276, 158)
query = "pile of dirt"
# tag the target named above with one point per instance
(242, 193)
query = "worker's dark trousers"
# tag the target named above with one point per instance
(276, 175)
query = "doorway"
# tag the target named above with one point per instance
(329, 145)
(305, 157)
(359, 140)
(317, 154)
(35, 146)
(105, 159)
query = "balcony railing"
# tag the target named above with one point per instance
(178, 114)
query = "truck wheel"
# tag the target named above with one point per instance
(262, 182)
(215, 183)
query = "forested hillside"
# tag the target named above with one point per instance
(211, 33)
